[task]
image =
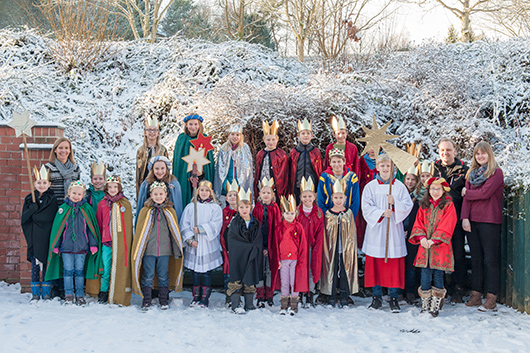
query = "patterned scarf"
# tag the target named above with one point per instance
(111, 199)
(477, 177)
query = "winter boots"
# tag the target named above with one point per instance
(103, 297)
(205, 300)
(163, 295)
(457, 295)
(68, 299)
(249, 301)
(284, 305)
(344, 301)
(46, 288)
(147, 294)
(196, 292)
(35, 291)
(426, 297)
(309, 299)
(293, 309)
(394, 305)
(376, 303)
(490, 304)
(475, 299)
(80, 301)
(236, 298)
(438, 295)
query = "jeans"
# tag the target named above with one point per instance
(485, 246)
(430, 276)
(377, 291)
(74, 266)
(161, 263)
(205, 278)
(106, 256)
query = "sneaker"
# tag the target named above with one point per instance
(376, 303)
(80, 301)
(164, 307)
(68, 299)
(394, 305)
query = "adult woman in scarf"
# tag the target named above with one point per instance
(482, 217)
(62, 168)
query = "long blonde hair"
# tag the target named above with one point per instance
(60, 140)
(209, 185)
(492, 163)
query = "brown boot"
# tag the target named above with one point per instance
(426, 297)
(284, 305)
(438, 295)
(490, 304)
(475, 299)
(294, 305)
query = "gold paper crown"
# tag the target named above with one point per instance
(266, 182)
(97, 169)
(339, 186)
(232, 187)
(413, 170)
(243, 195)
(270, 129)
(151, 122)
(413, 149)
(41, 174)
(76, 183)
(336, 152)
(304, 125)
(427, 167)
(289, 204)
(307, 185)
(113, 179)
(158, 184)
(338, 124)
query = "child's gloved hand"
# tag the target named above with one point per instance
(93, 249)
(56, 250)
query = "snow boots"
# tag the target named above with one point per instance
(46, 288)
(376, 303)
(343, 299)
(236, 298)
(103, 297)
(147, 294)
(438, 295)
(80, 301)
(206, 291)
(284, 305)
(249, 301)
(394, 305)
(426, 297)
(196, 292)
(68, 299)
(490, 304)
(163, 295)
(35, 291)
(293, 309)
(475, 299)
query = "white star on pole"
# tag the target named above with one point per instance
(22, 123)
(197, 157)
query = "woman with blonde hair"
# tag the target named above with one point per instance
(482, 217)
(62, 168)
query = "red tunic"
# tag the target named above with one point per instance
(313, 225)
(228, 214)
(390, 274)
(298, 243)
(274, 216)
(441, 223)
(316, 162)
(280, 171)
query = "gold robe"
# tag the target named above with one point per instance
(349, 250)
(141, 236)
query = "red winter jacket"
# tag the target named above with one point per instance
(296, 241)
(313, 225)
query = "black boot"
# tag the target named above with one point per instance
(394, 305)
(344, 302)
(236, 298)
(196, 292)
(376, 303)
(249, 298)
(103, 297)
(147, 293)
(309, 299)
(163, 295)
(205, 300)
(332, 300)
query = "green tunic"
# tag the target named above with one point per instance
(93, 197)
(93, 263)
(182, 149)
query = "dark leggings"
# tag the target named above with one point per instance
(485, 244)
(206, 278)
(459, 254)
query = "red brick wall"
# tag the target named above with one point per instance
(14, 186)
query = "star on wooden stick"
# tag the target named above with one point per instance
(196, 157)
(22, 123)
(202, 142)
(376, 138)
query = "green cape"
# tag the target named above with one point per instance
(93, 263)
(94, 196)
(182, 149)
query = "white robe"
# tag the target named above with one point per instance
(207, 256)
(374, 202)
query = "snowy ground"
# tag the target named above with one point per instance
(52, 327)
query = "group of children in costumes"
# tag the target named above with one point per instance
(311, 238)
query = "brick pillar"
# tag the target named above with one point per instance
(14, 186)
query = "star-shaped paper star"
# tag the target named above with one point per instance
(197, 157)
(202, 142)
(22, 123)
(377, 137)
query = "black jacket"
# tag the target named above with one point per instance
(455, 175)
(37, 220)
(245, 251)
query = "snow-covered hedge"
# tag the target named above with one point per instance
(465, 91)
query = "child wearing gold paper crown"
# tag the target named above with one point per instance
(95, 191)
(232, 190)
(272, 162)
(268, 214)
(151, 147)
(293, 256)
(339, 263)
(37, 221)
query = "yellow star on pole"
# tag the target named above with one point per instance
(197, 157)
(22, 123)
(376, 138)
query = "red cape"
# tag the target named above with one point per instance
(296, 232)
(228, 214)
(316, 162)
(274, 216)
(313, 226)
(280, 171)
